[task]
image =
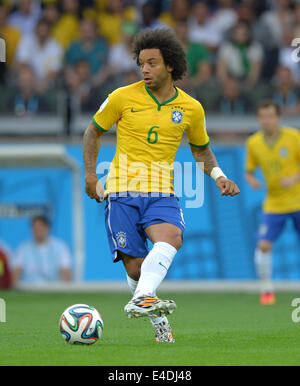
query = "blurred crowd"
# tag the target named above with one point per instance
(239, 51)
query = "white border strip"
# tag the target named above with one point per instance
(108, 220)
(169, 285)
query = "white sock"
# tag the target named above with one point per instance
(153, 319)
(263, 263)
(132, 284)
(154, 268)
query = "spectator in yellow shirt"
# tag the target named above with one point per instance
(111, 20)
(10, 34)
(66, 30)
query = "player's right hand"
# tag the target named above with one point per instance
(93, 188)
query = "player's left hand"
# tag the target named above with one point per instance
(227, 187)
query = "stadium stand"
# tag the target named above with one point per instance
(245, 43)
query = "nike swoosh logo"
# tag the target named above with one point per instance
(163, 266)
(135, 111)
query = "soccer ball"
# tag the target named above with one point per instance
(81, 324)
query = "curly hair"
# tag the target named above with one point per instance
(170, 47)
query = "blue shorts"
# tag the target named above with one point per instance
(127, 217)
(272, 225)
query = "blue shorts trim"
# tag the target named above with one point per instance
(127, 217)
(272, 225)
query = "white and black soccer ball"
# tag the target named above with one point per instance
(81, 324)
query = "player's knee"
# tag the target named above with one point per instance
(265, 246)
(177, 240)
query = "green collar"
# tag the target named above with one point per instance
(156, 101)
(272, 144)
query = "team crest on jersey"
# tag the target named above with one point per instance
(121, 239)
(283, 152)
(177, 116)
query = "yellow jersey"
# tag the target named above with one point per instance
(111, 24)
(148, 136)
(12, 36)
(281, 159)
(66, 30)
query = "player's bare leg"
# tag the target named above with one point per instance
(263, 262)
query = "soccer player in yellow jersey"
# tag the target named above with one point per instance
(276, 150)
(151, 117)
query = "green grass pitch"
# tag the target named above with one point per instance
(209, 328)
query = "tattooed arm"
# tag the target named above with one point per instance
(206, 160)
(91, 146)
(205, 155)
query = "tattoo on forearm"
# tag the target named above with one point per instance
(91, 146)
(206, 156)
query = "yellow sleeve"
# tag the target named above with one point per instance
(251, 162)
(196, 131)
(109, 112)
